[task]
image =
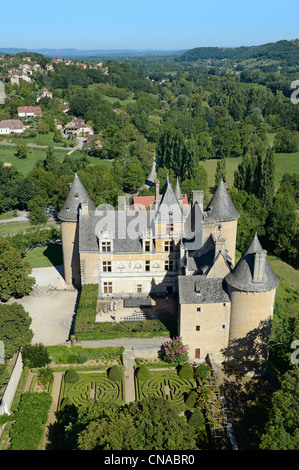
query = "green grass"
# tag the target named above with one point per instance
(45, 256)
(284, 163)
(7, 215)
(40, 139)
(9, 228)
(24, 166)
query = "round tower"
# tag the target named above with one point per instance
(70, 230)
(251, 288)
(221, 210)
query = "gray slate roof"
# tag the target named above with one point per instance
(169, 204)
(200, 290)
(88, 233)
(77, 194)
(221, 207)
(241, 276)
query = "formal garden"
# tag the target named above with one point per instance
(59, 382)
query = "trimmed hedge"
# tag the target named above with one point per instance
(197, 419)
(115, 373)
(143, 373)
(31, 418)
(71, 376)
(79, 355)
(124, 329)
(186, 371)
(191, 399)
(87, 309)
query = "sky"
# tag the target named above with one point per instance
(147, 24)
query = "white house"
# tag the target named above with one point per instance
(9, 126)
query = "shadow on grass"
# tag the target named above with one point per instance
(54, 254)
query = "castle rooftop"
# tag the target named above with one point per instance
(77, 194)
(221, 206)
(253, 272)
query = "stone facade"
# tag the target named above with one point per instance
(181, 250)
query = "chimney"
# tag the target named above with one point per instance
(259, 266)
(197, 196)
(219, 246)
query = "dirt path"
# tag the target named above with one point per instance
(53, 409)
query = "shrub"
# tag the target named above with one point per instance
(201, 371)
(174, 351)
(186, 371)
(35, 355)
(28, 430)
(67, 401)
(71, 376)
(191, 399)
(197, 419)
(143, 373)
(115, 373)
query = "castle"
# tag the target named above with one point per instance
(176, 249)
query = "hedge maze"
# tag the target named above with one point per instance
(91, 386)
(166, 385)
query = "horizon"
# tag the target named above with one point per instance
(152, 26)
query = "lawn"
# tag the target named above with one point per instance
(45, 256)
(24, 166)
(284, 163)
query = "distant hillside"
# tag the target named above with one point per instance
(76, 53)
(286, 52)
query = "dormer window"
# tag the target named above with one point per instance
(106, 247)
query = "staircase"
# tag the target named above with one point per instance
(129, 362)
(129, 358)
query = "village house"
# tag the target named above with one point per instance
(29, 111)
(45, 94)
(76, 128)
(11, 126)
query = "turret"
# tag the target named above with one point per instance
(251, 287)
(70, 230)
(221, 211)
(178, 193)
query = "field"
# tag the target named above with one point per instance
(284, 163)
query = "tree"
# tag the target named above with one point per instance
(38, 214)
(267, 184)
(175, 351)
(282, 428)
(220, 173)
(51, 163)
(35, 355)
(148, 424)
(21, 150)
(14, 273)
(15, 329)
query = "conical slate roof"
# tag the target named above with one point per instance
(169, 207)
(241, 277)
(177, 191)
(77, 194)
(221, 207)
